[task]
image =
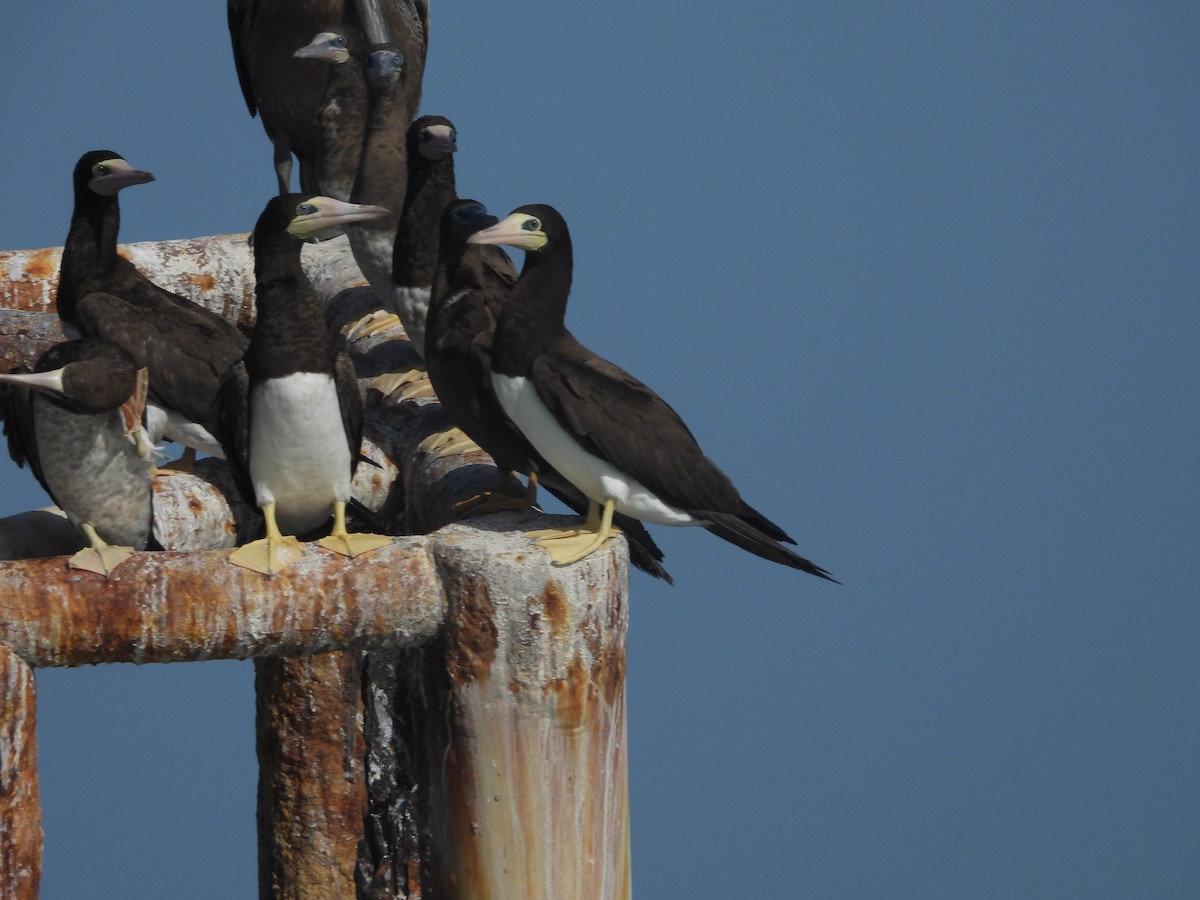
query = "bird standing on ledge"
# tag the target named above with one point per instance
(291, 411)
(603, 430)
(101, 294)
(77, 421)
(471, 286)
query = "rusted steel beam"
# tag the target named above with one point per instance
(311, 787)
(175, 607)
(217, 272)
(20, 808)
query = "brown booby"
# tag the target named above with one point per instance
(470, 287)
(431, 142)
(291, 412)
(603, 430)
(101, 294)
(77, 422)
(382, 178)
(287, 93)
(343, 113)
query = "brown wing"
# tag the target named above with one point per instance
(619, 419)
(186, 348)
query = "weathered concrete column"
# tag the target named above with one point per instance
(20, 806)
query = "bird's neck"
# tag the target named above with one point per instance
(534, 314)
(382, 177)
(414, 255)
(91, 246)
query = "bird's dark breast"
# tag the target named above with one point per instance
(295, 342)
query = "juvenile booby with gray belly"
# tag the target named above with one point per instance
(604, 431)
(470, 287)
(101, 294)
(76, 421)
(291, 411)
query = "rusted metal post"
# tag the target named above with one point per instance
(519, 720)
(312, 795)
(20, 808)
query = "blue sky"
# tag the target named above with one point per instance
(922, 279)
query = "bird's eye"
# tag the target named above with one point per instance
(99, 170)
(531, 224)
(305, 209)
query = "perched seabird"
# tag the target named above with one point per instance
(288, 94)
(431, 142)
(101, 294)
(76, 420)
(291, 410)
(343, 113)
(470, 287)
(382, 177)
(603, 430)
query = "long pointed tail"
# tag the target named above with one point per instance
(746, 536)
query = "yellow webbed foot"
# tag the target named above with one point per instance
(568, 545)
(101, 560)
(98, 556)
(353, 545)
(269, 555)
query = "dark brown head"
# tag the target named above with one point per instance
(105, 172)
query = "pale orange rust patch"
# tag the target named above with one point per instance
(41, 265)
(556, 608)
(204, 282)
(473, 635)
(572, 695)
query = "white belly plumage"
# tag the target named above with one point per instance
(299, 456)
(598, 479)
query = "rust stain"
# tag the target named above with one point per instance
(557, 609)
(473, 634)
(572, 696)
(40, 265)
(608, 671)
(202, 281)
